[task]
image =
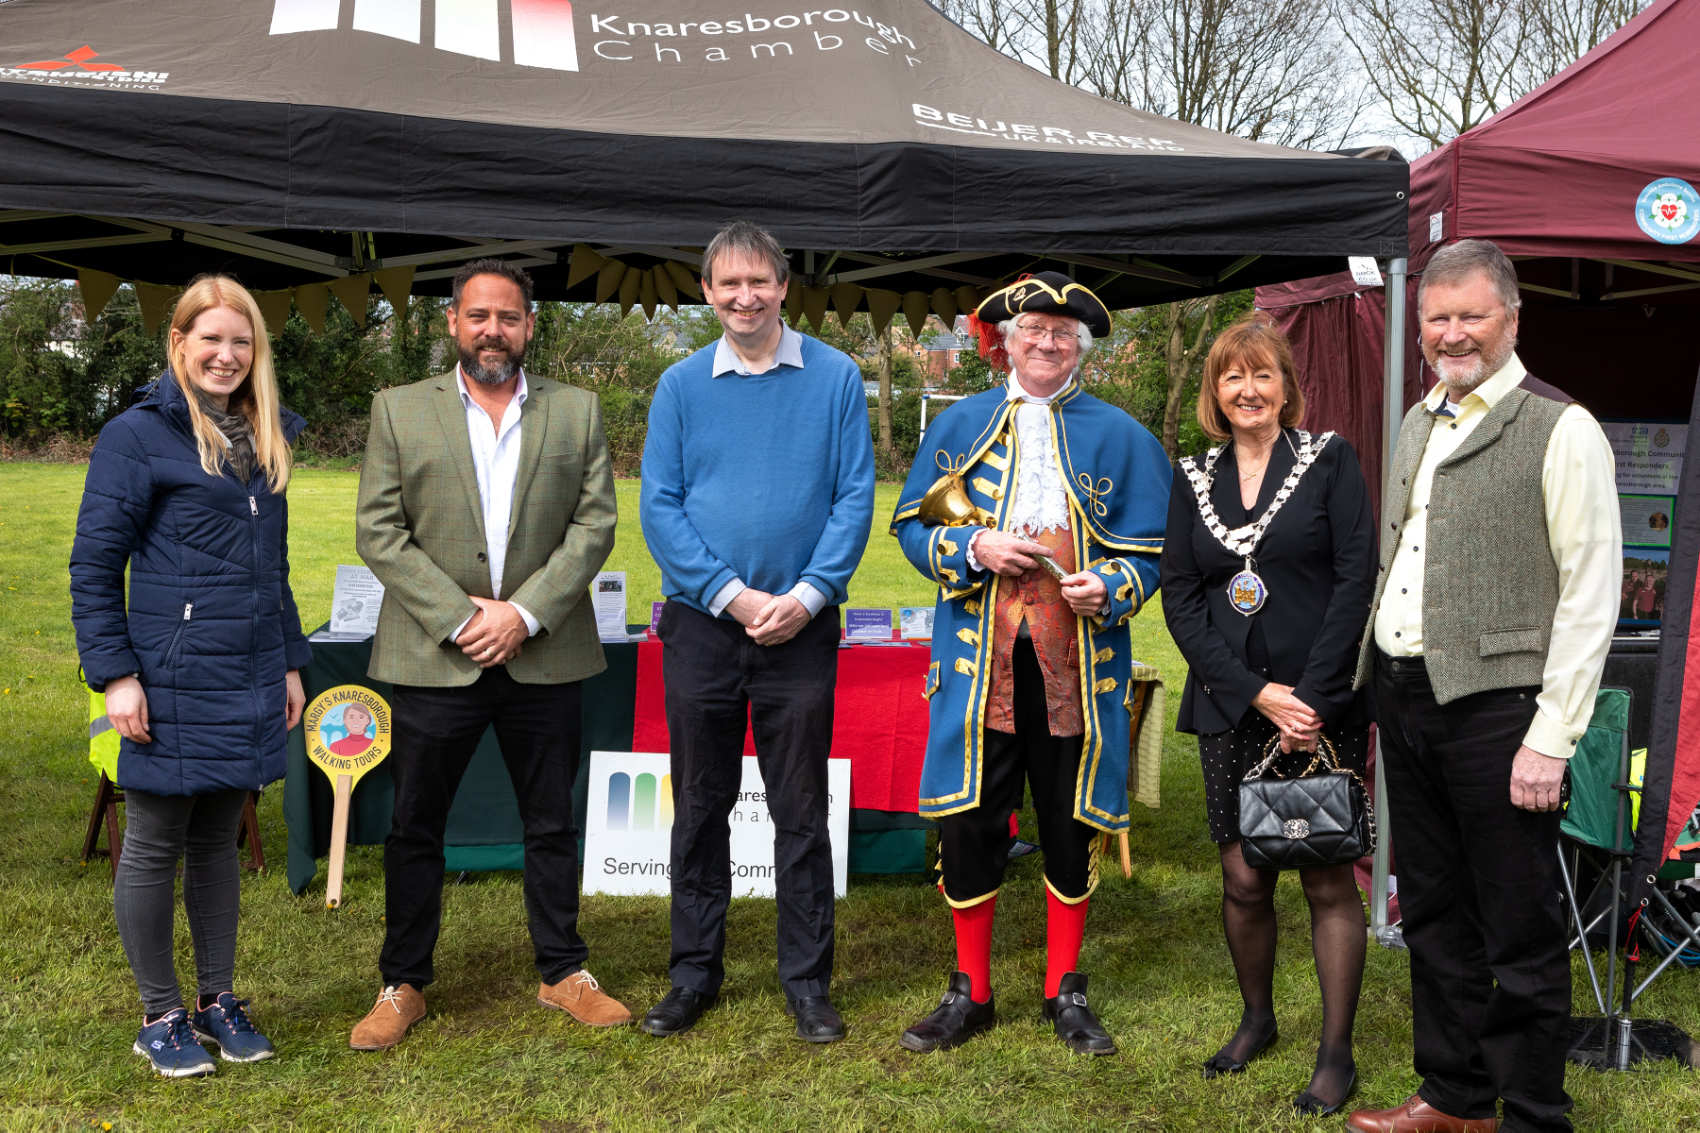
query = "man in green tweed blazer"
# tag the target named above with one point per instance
(486, 508)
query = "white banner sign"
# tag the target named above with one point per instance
(629, 820)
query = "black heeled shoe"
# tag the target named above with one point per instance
(1308, 1104)
(1222, 1062)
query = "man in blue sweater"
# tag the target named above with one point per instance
(758, 491)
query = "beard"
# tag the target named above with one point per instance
(1461, 382)
(497, 374)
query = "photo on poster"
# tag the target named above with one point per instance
(1643, 602)
(1646, 519)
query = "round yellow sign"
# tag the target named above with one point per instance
(347, 730)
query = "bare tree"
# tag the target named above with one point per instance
(1266, 71)
(1044, 34)
(1572, 28)
(1439, 67)
(1181, 357)
(985, 20)
(883, 367)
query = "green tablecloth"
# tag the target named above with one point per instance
(484, 831)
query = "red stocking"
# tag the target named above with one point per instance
(1065, 927)
(974, 946)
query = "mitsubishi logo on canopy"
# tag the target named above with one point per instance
(78, 58)
(542, 29)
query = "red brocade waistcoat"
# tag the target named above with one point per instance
(1036, 598)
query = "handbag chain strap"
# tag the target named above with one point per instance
(1324, 758)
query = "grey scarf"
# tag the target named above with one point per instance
(237, 431)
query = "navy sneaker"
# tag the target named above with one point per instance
(169, 1046)
(226, 1025)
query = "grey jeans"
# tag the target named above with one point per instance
(159, 830)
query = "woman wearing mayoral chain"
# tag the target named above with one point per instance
(1267, 572)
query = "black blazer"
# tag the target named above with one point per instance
(1317, 560)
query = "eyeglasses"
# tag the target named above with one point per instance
(1038, 334)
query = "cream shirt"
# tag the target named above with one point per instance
(1584, 535)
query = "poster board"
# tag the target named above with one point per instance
(1649, 458)
(629, 823)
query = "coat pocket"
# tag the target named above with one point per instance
(932, 681)
(1498, 641)
(175, 649)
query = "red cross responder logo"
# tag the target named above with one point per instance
(78, 58)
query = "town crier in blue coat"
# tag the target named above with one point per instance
(1039, 512)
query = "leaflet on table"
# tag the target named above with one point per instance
(867, 625)
(608, 597)
(354, 605)
(915, 623)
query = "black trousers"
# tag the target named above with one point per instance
(436, 732)
(974, 844)
(717, 681)
(1480, 891)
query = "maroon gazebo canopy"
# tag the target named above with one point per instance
(1589, 184)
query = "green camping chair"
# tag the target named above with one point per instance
(1600, 820)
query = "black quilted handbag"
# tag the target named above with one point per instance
(1321, 817)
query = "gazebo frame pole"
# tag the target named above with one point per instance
(1392, 413)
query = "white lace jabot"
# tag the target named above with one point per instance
(1038, 500)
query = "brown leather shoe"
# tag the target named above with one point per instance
(398, 1008)
(580, 996)
(1414, 1115)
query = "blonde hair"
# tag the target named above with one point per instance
(1249, 343)
(256, 398)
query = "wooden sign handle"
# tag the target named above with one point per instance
(339, 840)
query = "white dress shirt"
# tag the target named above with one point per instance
(726, 361)
(495, 459)
(1584, 533)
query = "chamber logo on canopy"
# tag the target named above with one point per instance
(1668, 210)
(542, 30)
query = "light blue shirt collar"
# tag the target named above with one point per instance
(790, 353)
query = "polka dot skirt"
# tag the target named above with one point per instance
(1227, 756)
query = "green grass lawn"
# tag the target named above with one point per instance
(489, 1056)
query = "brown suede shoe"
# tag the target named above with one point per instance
(398, 1008)
(1414, 1115)
(580, 996)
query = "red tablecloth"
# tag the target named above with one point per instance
(879, 722)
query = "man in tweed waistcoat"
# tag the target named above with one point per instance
(486, 508)
(1501, 562)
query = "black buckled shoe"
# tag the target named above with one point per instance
(677, 1013)
(956, 1019)
(1074, 1021)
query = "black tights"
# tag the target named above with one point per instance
(1337, 943)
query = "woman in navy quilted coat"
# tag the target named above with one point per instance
(200, 666)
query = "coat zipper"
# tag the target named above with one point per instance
(172, 653)
(254, 627)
